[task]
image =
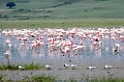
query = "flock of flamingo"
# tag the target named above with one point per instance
(61, 42)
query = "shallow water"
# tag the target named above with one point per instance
(106, 51)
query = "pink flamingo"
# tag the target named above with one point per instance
(77, 48)
(8, 44)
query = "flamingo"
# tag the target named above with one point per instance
(23, 46)
(95, 44)
(8, 44)
(6, 55)
(38, 44)
(33, 46)
(77, 48)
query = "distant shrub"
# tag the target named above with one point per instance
(22, 10)
(44, 16)
(10, 4)
(85, 10)
(5, 16)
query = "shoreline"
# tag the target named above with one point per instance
(61, 73)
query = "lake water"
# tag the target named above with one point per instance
(18, 52)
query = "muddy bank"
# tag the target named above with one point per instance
(60, 72)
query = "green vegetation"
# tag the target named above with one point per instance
(33, 66)
(8, 67)
(61, 24)
(10, 4)
(30, 66)
(62, 10)
(43, 78)
(1, 77)
(62, 13)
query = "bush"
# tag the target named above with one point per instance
(10, 4)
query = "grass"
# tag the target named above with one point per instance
(55, 14)
(62, 24)
(8, 67)
(33, 66)
(77, 10)
(30, 66)
(43, 78)
(1, 77)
